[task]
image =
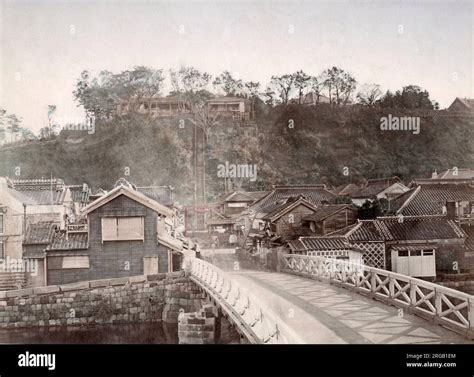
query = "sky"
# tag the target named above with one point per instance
(44, 45)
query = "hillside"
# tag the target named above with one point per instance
(322, 141)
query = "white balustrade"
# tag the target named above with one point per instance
(248, 312)
(446, 306)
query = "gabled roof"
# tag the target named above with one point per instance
(328, 210)
(467, 102)
(132, 194)
(429, 198)
(315, 194)
(40, 233)
(279, 210)
(376, 186)
(240, 196)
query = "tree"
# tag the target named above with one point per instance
(45, 133)
(269, 96)
(301, 81)
(226, 83)
(340, 85)
(27, 134)
(13, 124)
(253, 88)
(410, 97)
(369, 95)
(317, 85)
(3, 123)
(189, 84)
(283, 85)
(51, 111)
(100, 96)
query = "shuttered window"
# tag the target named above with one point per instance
(122, 228)
(109, 228)
(130, 228)
(76, 262)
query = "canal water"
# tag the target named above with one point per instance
(130, 333)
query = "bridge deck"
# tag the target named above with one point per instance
(325, 314)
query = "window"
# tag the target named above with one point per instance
(428, 252)
(76, 262)
(1, 223)
(415, 253)
(122, 228)
(403, 253)
(2, 250)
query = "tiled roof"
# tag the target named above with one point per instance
(375, 186)
(393, 229)
(327, 210)
(45, 197)
(346, 190)
(469, 243)
(79, 193)
(73, 241)
(430, 198)
(316, 194)
(40, 233)
(461, 173)
(276, 210)
(39, 191)
(422, 228)
(319, 243)
(468, 102)
(160, 194)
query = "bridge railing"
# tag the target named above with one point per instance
(448, 307)
(254, 319)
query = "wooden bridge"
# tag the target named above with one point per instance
(319, 300)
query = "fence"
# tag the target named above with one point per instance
(445, 306)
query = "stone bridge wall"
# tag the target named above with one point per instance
(120, 300)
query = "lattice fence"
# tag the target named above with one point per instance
(374, 253)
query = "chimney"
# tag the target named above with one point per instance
(434, 175)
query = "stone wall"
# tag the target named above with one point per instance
(119, 300)
(207, 326)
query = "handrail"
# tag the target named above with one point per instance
(448, 307)
(256, 321)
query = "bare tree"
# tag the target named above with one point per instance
(369, 94)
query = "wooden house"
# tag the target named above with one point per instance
(331, 217)
(419, 246)
(127, 233)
